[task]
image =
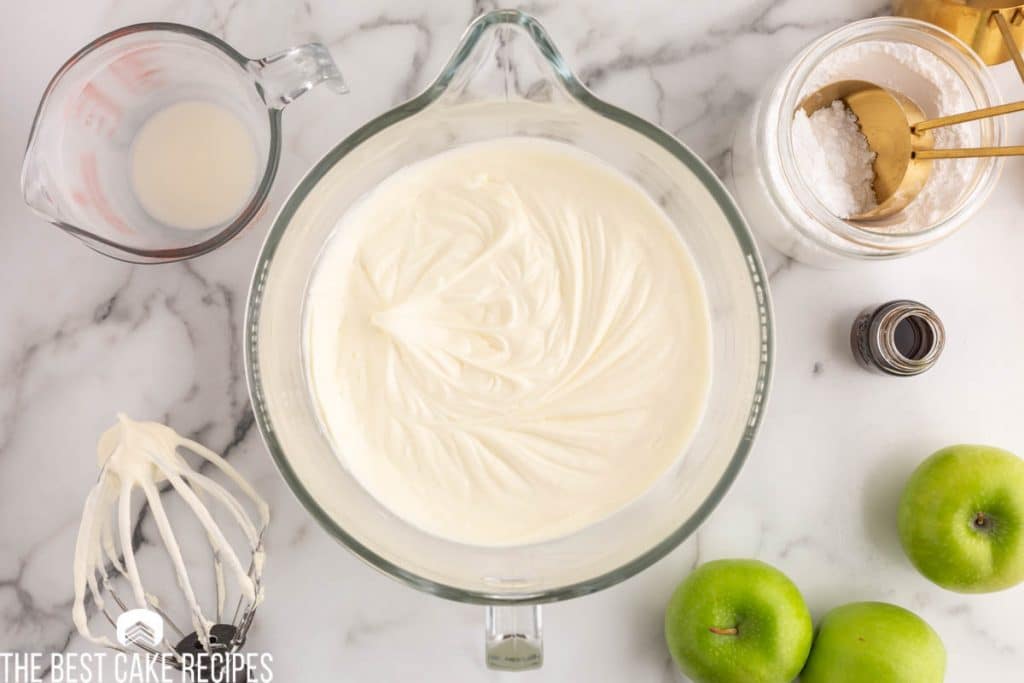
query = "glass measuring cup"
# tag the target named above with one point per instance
(77, 166)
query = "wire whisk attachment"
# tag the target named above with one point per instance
(148, 458)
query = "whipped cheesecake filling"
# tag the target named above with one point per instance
(507, 342)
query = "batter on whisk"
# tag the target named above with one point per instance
(136, 459)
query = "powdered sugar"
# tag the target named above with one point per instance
(833, 155)
(934, 86)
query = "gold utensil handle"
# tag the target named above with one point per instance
(954, 119)
(1011, 46)
(970, 152)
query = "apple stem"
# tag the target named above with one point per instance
(725, 631)
(981, 520)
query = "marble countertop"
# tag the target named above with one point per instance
(85, 337)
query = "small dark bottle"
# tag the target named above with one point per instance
(902, 338)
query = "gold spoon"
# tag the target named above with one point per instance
(901, 138)
(992, 28)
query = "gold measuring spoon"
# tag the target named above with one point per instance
(994, 29)
(1006, 31)
(901, 138)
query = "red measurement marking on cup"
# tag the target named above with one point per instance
(138, 71)
(93, 195)
(95, 109)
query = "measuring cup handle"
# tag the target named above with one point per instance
(513, 637)
(1008, 39)
(285, 76)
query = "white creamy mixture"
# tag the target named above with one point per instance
(507, 342)
(194, 165)
(935, 87)
(136, 458)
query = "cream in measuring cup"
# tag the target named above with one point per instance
(159, 142)
(193, 165)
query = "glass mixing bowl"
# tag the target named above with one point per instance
(507, 79)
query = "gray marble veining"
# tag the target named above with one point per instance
(85, 337)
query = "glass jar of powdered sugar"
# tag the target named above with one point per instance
(775, 183)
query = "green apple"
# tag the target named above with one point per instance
(874, 642)
(961, 519)
(738, 621)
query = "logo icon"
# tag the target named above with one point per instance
(140, 627)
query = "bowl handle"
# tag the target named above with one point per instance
(513, 640)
